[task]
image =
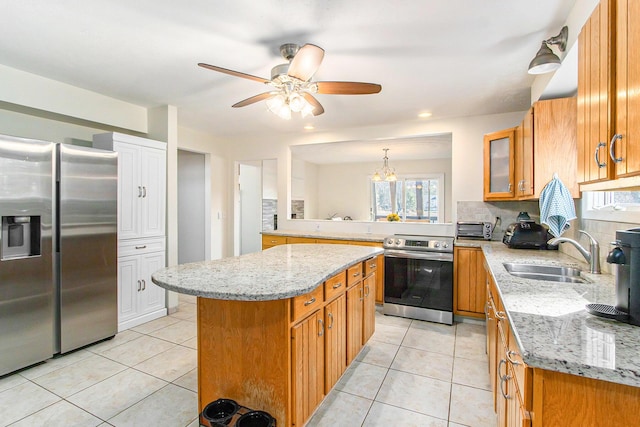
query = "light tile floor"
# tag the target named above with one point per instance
(411, 373)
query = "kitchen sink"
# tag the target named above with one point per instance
(553, 273)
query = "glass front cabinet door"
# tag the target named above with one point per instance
(499, 165)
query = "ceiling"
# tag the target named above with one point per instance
(450, 57)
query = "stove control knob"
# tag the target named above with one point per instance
(446, 245)
(437, 245)
(398, 242)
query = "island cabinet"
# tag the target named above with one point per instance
(608, 100)
(284, 356)
(469, 277)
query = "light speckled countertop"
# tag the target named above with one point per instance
(551, 325)
(365, 237)
(281, 272)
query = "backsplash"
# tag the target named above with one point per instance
(507, 211)
(603, 231)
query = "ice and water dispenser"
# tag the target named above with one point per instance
(20, 237)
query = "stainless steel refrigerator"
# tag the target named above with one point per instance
(58, 249)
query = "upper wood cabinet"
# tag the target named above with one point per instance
(608, 97)
(499, 165)
(543, 144)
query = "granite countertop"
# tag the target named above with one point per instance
(549, 321)
(365, 237)
(281, 272)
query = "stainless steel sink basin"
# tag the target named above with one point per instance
(553, 273)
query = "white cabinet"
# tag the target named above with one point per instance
(141, 225)
(139, 300)
(141, 184)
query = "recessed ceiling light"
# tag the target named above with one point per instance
(424, 115)
(309, 127)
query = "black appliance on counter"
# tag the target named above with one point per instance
(418, 277)
(625, 262)
(527, 234)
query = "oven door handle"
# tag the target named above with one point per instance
(430, 256)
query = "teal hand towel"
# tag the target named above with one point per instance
(556, 206)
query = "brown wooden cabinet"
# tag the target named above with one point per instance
(469, 282)
(499, 165)
(307, 364)
(355, 298)
(544, 144)
(608, 97)
(294, 240)
(335, 321)
(270, 240)
(369, 307)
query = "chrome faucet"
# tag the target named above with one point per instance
(592, 256)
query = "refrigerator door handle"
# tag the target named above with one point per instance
(144, 191)
(139, 285)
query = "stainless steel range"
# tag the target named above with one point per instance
(418, 277)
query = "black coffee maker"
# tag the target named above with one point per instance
(625, 262)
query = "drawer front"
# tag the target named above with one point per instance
(522, 373)
(335, 286)
(271, 240)
(293, 240)
(370, 266)
(140, 246)
(354, 274)
(307, 303)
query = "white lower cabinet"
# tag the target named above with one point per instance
(139, 300)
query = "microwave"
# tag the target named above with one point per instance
(474, 230)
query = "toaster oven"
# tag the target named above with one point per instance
(474, 230)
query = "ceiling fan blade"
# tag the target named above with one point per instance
(233, 73)
(317, 108)
(348, 88)
(306, 62)
(254, 99)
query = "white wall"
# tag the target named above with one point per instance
(345, 188)
(270, 179)
(250, 181)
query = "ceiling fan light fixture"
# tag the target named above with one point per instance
(545, 60)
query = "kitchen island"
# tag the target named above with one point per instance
(277, 328)
(558, 364)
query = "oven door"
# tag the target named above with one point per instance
(419, 279)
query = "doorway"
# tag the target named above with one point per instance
(194, 231)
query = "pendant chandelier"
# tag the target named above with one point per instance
(387, 173)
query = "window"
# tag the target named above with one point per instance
(615, 206)
(415, 199)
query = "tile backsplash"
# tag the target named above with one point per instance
(603, 231)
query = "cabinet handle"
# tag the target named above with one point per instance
(320, 327)
(372, 266)
(141, 247)
(361, 294)
(356, 274)
(366, 294)
(509, 354)
(500, 315)
(274, 241)
(597, 155)
(139, 191)
(144, 284)
(139, 285)
(611, 145)
(330, 318)
(337, 285)
(144, 191)
(509, 188)
(503, 379)
(311, 301)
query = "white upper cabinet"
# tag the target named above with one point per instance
(141, 184)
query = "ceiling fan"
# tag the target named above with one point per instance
(293, 89)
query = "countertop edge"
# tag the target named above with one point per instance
(305, 287)
(364, 237)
